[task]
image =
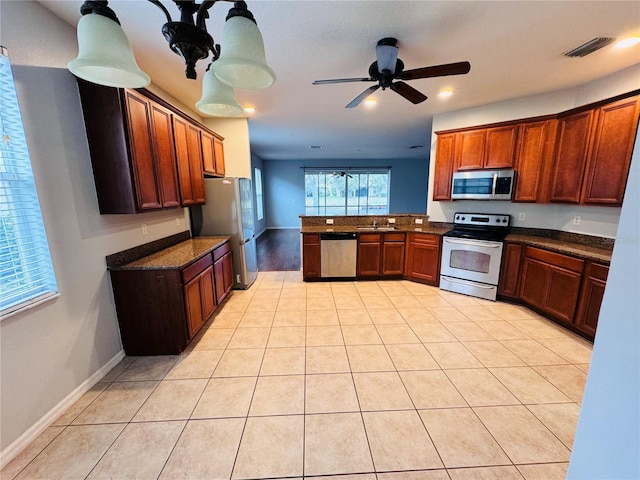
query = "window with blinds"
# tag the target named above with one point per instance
(26, 272)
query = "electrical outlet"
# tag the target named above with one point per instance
(238, 279)
(418, 221)
(145, 230)
(329, 221)
(178, 221)
(391, 220)
(576, 220)
(522, 216)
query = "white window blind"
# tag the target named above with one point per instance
(26, 272)
(259, 197)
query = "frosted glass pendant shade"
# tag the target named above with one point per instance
(105, 56)
(218, 99)
(242, 62)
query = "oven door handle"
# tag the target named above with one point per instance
(477, 285)
(474, 243)
(493, 187)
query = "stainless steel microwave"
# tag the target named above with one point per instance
(482, 185)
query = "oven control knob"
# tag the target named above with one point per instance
(463, 218)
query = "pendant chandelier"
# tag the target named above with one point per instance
(105, 56)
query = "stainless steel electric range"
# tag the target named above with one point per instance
(472, 254)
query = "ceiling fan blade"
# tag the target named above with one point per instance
(459, 68)
(387, 54)
(408, 92)
(356, 101)
(342, 80)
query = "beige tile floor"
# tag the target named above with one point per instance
(358, 381)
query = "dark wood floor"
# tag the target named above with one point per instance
(279, 250)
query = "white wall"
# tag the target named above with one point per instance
(607, 442)
(600, 221)
(49, 352)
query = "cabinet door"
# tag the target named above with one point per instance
(564, 287)
(470, 149)
(500, 147)
(608, 166)
(189, 157)
(218, 148)
(532, 159)
(194, 306)
(510, 270)
(393, 257)
(591, 295)
(369, 255)
(310, 255)
(423, 257)
(208, 155)
(570, 157)
(227, 269)
(445, 150)
(223, 273)
(165, 156)
(534, 282)
(141, 145)
(207, 293)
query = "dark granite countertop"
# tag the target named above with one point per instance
(586, 252)
(399, 229)
(177, 256)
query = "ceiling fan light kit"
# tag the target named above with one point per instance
(105, 56)
(388, 71)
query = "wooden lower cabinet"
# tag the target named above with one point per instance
(200, 300)
(551, 283)
(380, 255)
(422, 259)
(591, 295)
(369, 255)
(510, 270)
(161, 310)
(223, 271)
(311, 256)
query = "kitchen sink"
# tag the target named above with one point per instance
(380, 229)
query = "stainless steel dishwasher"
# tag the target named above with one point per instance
(338, 253)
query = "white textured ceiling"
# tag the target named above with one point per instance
(514, 47)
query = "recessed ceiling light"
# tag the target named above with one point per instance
(249, 110)
(370, 102)
(628, 42)
(445, 93)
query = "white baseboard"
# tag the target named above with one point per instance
(41, 425)
(283, 228)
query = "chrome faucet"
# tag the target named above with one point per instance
(374, 223)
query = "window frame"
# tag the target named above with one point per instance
(26, 269)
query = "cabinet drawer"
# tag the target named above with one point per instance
(424, 238)
(394, 237)
(195, 268)
(556, 259)
(221, 251)
(311, 239)
(597, 271)
(369, 237)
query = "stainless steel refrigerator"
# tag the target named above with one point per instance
(229, 211)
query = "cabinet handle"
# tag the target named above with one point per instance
(474, 243)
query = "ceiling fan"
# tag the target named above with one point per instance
(388, 71)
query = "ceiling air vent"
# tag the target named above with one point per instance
(589, 47)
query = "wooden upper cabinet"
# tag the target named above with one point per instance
(212, 155)
(500, 147)
(572, 145)
(445, 149)
(469, 149)
(137, 111)
(533, 155)
(166, 164)
(189, 155)
(608, 164)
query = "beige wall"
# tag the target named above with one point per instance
(237, 154)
